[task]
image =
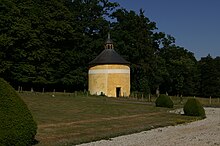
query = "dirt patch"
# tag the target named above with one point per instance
(95, 120)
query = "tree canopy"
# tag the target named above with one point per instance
(48, 44)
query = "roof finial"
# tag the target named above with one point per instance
(109, 36)
(109, 43)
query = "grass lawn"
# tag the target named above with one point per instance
(67, 119)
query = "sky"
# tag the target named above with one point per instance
(195, 24)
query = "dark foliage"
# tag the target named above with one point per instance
(17, 127)
(48, 44)
(194, 108)
(164, 101)
(209, 76)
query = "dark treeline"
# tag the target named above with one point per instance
(49, 43)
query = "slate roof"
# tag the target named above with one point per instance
(108, 56)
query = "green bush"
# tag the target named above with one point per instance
(164, 101)
(17, 126)
(193, 108)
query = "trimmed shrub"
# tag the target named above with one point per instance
(164, 101)
(17, 126)
(194, 108)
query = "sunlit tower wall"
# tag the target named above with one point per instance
(109, 73)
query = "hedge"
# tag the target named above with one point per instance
(164, 101)
(17, 126)
(194, 108)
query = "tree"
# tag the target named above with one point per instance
(49, 43)
(210, 76)
(135, 40)
(182, 69)
(36, 30)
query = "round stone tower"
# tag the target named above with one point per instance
(109, 73)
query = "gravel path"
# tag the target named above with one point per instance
(205, 132)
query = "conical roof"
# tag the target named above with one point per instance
(108, 56)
